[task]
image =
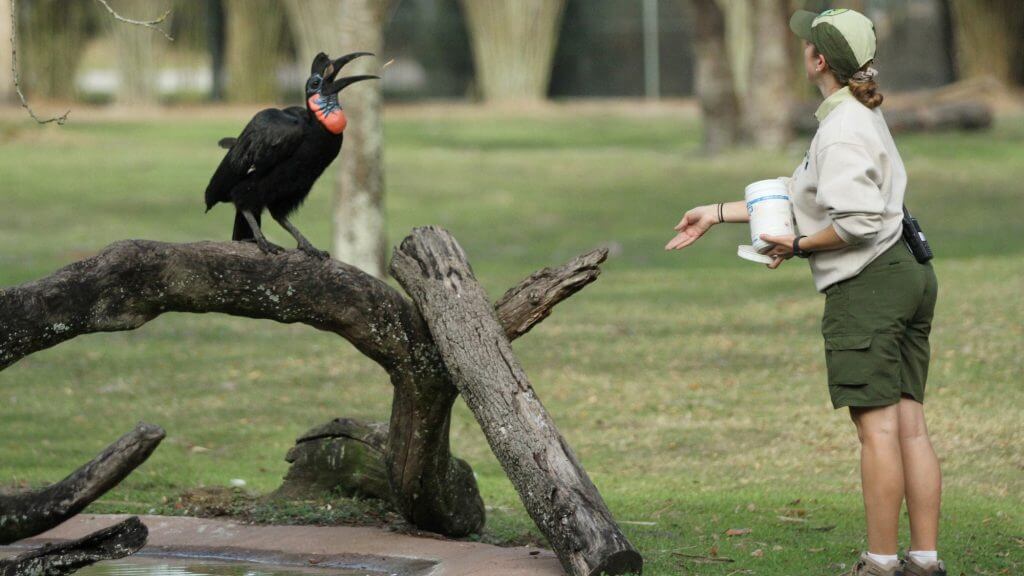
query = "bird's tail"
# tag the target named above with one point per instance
(242, 229)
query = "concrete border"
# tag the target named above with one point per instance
(349, 547)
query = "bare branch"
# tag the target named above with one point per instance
(60, 120)
(147, 23)
(26, 514)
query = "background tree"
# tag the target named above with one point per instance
(989, 37)
(339, 27)
(136, 47)
(766, 100)
(51, 38)
(513, 46)
(6, 78)
(715, 86)
(254, 33)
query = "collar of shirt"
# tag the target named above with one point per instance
(834, 100)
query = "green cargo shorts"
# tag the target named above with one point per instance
(876, 328)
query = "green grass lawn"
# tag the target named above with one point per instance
(691, 385)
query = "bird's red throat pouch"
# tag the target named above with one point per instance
(329, 113)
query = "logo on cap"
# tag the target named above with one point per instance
(834, 11)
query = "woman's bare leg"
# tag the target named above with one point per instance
(881, 472)
(923, 479)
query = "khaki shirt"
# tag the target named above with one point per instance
(852, 178)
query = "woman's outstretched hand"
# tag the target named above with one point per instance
(693, 225)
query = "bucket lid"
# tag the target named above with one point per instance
(747, 252)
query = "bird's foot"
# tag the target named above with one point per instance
(269, 247)
(314, 251)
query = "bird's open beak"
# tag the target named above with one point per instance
(335, 66)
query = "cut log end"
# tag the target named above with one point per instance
(622, 562)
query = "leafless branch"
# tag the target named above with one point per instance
(14, 72)
(147, 23)
(60, 120)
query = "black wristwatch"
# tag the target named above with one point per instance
(796, 248)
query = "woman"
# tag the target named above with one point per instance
(847, 198)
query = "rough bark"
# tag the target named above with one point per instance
(253, 46)
(766, 105)
(134, 281)
(343, 456)
(716, 90)
(117, 541)
(553, 486)
(339, 27)
(514, 45)
(33, 512)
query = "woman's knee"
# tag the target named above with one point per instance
(877, 425)
(911, 420)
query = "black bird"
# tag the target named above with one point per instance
(280, 154)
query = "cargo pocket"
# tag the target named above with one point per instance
(859, 359)
(849, 359)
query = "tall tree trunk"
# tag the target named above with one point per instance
(988, 38)
(253, 32)
(766, 106)
(135, 49)
(339, 27)
(6, 78)
(51, 37)
(720, 107)
(216, 40)
(513, 46)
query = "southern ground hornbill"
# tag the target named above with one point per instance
(280, 154)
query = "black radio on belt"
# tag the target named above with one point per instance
(915, 239)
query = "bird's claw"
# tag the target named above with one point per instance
(270, 247)
(314, 251)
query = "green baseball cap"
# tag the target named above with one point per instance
(845, 37)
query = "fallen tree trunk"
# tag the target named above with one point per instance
(117, 541)
(134, 281)
(33, 512)
(921, 117)
(553, 486)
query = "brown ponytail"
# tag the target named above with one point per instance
(866, 91)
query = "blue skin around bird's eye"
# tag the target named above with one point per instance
(314, 83)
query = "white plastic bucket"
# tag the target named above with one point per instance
(770, 211)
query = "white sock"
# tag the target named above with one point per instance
(884, 559)
(924, 557)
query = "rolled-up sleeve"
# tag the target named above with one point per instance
(848, 189)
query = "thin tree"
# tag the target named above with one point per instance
(339, 27)
(716, 88)
(51, 40)
(6, 69)
(514, 45)
(767, 94)
(255, 29)
(136, 50)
